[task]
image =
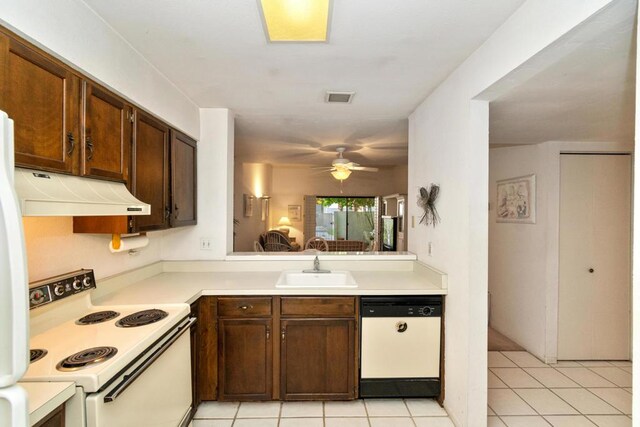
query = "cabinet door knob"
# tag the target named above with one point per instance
(268, 334)
(283, 333)
(591, 270)
(245, 307)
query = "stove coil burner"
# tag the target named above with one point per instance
(97, 317)
(37, 354)
(141, 318)
(86, 358)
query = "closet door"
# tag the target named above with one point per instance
(595, 257)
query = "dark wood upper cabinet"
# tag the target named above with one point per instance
(245, 354)
(66, 123)
(107, 134)
(318, 359)
(150, 177)
(43, 99)
(184, 160)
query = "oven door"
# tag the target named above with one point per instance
(155, 391)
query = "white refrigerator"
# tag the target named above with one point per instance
(14, 284)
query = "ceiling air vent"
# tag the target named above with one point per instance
(339, 97)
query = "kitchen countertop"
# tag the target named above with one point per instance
(175, 287)
(44, 397)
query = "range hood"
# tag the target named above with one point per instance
(52, 194)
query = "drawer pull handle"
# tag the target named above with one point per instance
(401, 327)
(72, 143)
(89, 143)
(245, 307)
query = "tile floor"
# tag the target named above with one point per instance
(525, 392)
(358, 413)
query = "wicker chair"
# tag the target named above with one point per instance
(277, 241)
(257, 247)
(317, 243)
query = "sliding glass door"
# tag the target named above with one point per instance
(347, 218)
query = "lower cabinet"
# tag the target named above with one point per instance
(245, 355)
(206, 354)
(277, 348)
(317, 358)
(54, 419)
(195, 345)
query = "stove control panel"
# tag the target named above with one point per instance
(55, 288)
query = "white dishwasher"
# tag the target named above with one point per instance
(400, 346)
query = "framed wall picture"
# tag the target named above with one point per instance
(516, 200)
(248, 205)
(295, 212)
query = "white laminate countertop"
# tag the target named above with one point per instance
(176, 287)
(44, 397)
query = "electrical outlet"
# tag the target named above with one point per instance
(205, 244)
(430, 249)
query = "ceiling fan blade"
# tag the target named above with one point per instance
(364, 169)
(324, 168)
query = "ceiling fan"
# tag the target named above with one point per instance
(341, 167)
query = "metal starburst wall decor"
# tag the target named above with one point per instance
(427, 201)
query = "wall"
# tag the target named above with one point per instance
(72, 31)
(53, 249)
(253, 179)
(448, 145)
(517, 253)
(292, 183)
(215, 193)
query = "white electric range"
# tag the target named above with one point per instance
(130, 363)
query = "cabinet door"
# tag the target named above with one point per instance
(207, 371)
(318, 359)
(245, 352)
(107, 135)
(183, 180)
(54, 419)
(150, 177)
(43, 99)
(195, 344)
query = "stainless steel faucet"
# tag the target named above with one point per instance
(316, 267)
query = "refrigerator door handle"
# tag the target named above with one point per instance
(14, 410)
(14, 310)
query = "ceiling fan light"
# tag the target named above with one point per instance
(341, 174)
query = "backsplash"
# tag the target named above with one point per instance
(52, 249)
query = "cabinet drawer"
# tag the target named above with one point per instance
(244, 307)
(318, 306)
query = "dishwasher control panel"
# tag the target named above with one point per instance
(401, 306)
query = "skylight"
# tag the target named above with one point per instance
(296, 20)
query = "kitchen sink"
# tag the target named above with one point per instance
(299, 279)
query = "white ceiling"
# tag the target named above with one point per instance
(586, 95)
(392, 53)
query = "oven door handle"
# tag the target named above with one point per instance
(130, 378)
